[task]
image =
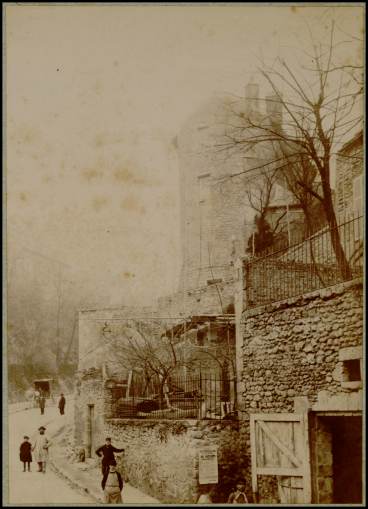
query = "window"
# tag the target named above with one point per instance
(351, 367)
(351, 370)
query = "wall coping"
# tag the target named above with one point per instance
(323, 293)
(134, 422)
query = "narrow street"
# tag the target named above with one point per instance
(34, 487)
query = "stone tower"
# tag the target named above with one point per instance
(214, 206)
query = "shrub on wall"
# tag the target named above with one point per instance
(163, 466)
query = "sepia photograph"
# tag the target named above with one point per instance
(183, 246)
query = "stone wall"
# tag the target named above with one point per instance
(292, 348)
(161, 457)
(88, 423)
(294, 355)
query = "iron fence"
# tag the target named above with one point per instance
(199, 396)
(306, 266)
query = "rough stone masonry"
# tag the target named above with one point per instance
(292, 348)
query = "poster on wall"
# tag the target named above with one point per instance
(208, 465)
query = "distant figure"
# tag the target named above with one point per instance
(61, 404)
(112, 484)
(238, 496)
(37, 397)
(25, 453)
(41, 449)
(107, 451)
(42, 403)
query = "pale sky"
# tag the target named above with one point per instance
(94, 94)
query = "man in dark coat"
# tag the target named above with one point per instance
(25, 453)
(107, 453)
(61, 404)
(42, 404)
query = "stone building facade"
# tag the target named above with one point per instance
(216, 217)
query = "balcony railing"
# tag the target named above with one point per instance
(304, 267)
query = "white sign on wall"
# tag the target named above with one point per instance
(208, 465)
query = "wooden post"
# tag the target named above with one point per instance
(253, 458)
(307, 479)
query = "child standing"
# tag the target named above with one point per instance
(112, 484)
(25, 453)
(238, 496)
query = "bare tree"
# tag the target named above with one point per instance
(141, 347)
(318, 106)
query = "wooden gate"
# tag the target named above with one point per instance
(280, 447)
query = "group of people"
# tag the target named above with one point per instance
(112, 482)
(40, 449)
(40, 399)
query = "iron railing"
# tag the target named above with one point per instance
(304, 267)
(199, 396)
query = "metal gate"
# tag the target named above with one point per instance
(280, 448)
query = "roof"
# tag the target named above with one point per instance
(357, 138)
(195, 320)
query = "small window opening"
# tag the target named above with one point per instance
(352, 370)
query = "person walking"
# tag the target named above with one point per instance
(41, 449)
(112, 484)
(25, 453)
(42, 402)
(107, 453)
(61, 404)
(36, 398)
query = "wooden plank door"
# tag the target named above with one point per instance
(280, 447)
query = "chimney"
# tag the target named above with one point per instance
(274, 110)
(252, 96)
